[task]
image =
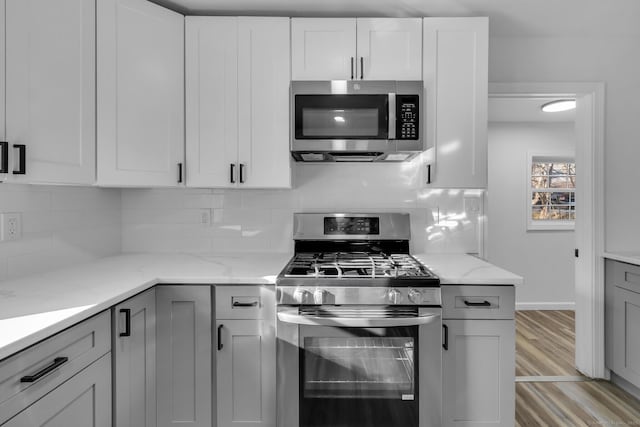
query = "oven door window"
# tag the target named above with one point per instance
(370, 373)
(341, 116)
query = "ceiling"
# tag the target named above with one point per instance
(525, 110)
(507, 17)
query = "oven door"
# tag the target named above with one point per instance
(362, 371)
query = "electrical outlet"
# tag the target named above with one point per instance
(10, 226)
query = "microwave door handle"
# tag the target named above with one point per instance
(356, 322)
(392, 116)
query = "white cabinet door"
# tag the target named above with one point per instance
(389, 49)
(263, 103)
(211, 66)
(140, 94)
(478, 376)
(82, 401)
(50, 90)
(134, 356)
(455, 74)
(184, 382)
(323, 48)
(246, 373)
(4, 145)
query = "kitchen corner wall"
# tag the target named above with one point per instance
(204, 221)
(61, 227)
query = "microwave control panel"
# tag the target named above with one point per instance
(408, 117)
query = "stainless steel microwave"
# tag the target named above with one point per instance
(356, 121)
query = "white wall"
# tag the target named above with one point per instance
(262, 220)
(543, 258)
(61, 226)
(613, 60)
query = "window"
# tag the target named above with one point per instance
(552, 193)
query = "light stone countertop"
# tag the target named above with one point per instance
(462, 269)
(35, 307)
(628, 257)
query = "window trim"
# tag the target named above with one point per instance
(545, 225)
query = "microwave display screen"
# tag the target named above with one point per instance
(341, 116)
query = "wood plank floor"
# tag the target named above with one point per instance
(545, 343)
(545, 346)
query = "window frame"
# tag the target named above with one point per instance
(546, 225)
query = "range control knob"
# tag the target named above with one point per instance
(394, 296)
(319, 296)
(301, 296)
(415, 296)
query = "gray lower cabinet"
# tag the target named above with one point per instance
(622, 317)
(184, 356)
(82, 401)
(246, 356)
(134, 361)
(478, 357)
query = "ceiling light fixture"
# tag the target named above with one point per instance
(559, 105)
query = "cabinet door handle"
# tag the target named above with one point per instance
(57, 362)
(428, 174)
(445, 337)
(232, 173)
(484, 303)
(352, 68)
(361, 67)
(22, 159)
(127, 322)
(220, 346)
(241, 173)
(245, 304)
(179, 173)
(4, 154)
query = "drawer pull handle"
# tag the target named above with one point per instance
(127, 322)
(57, 362)
(245, 304)
(484, 303)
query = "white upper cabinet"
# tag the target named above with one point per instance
(362, 48)
(263, 102)
(50, 91)
(4, 145)
(140, 76)
(323, 49)
(455, 74)
(237, 102)
(389, 49)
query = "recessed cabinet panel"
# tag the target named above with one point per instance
(83, 401)
(184, 382)
(263, 102)
(455, 74)
(140, 94)
(50, 89)
(211, 65)
(323, 49)
(134, 354)
(478, 373)
(626, 338)
(389, 48)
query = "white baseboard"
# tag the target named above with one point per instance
(545, 306)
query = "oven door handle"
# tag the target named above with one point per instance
(356, 322)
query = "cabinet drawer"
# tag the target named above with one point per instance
(81, 345)
(245, 302)
(624, 275)
(478, 302)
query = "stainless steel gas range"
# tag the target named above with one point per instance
(359, 326)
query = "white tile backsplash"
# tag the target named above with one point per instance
(171, 220)
(61, 227)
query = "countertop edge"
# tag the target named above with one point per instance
(629, 258)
